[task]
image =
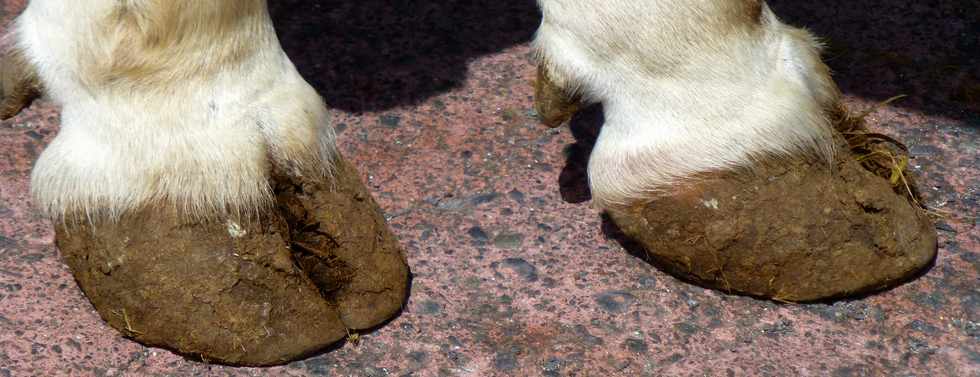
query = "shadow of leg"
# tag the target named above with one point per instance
(377, 54)
(573, 181)
(880, 49)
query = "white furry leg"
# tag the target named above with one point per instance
(186, 103)
(179, 117)
(687, 88)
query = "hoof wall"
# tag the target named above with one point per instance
(252, 292)
(793, 231)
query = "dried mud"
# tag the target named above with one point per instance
(786, 230)
(263, 291)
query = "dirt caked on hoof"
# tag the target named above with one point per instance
(258, 291)
(787, 230)
(19, 85)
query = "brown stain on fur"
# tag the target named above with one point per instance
(157, 42)
(749, 12)
(723, 18)
(553, 103)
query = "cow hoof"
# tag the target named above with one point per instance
(787, 230)
(19, 85)
(258, 291)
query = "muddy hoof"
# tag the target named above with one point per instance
(252, 292)
(788, 231)
(339, 222)
(19, 85)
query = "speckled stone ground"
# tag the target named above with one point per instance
(515, 273)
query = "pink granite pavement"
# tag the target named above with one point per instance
(514, 272)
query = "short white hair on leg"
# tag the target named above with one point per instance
(687, 87)
(160, 105)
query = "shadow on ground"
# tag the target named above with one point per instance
(927, 50)
(573, 181)
(378, 54)
(374, 55)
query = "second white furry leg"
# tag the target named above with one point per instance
(687, 88)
